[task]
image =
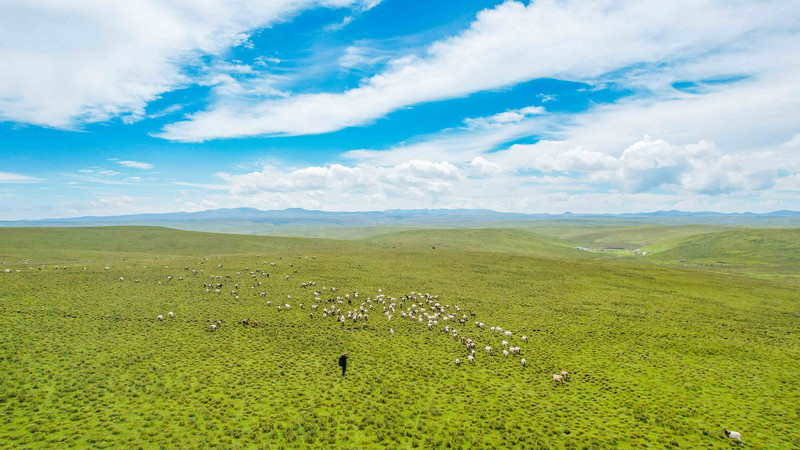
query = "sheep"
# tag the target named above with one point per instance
(505, 343)
(557, 378)
(524, 338)
(732, 434)
(489, 350)
(171, 314)
(509, 334)
(121, 279)
(523, 362)
(391, 331)
(160, 317)
(212, 327)
(505, 353)
(458, 362)
(564, 374)
(471, 359)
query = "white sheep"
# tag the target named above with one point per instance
(564, 374)
(170, 314)
(489, 350)
(523, 362)
(160, 317)
(505, 353)
(471, 359)
(458, 362)
(505, 343)
(732, 434)
(212, 327)
(557, 378)
(391, 331)
(509, 334)
(524, 338)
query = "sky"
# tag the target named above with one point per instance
(592, 106)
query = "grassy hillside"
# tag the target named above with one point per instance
(87, 241)
(472, 240)
(624, 237)
(659, 356)
(763, 252)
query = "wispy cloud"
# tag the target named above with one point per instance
(136, 164)
(92, 60)
(617, 42)
(6, 177)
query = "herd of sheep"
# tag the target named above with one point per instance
(422, 309)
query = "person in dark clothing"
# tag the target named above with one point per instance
(343, 362)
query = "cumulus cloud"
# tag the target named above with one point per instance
(699, 168)
(512, 43)
(70, 63)
(419, 178)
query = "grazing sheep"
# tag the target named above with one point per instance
(505, 353)
(471, 359)
(391, 331)
(557, 378)
(732, 434)
(212, 327)
(121, 279)
(171, 315)
(160, 317)
(523, 362)
(458, 362)
(524, 338)
(505, 343)
(564, 374)
(489, 350)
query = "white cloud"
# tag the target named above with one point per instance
(69, 63)
(7, 177)
(585, 41)
(135, 164)
(361, 57)
(503, 118)
(418, 176)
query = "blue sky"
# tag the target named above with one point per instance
(549, 106)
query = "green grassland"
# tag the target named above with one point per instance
(623, 237)
(767, 253)
(660, 355)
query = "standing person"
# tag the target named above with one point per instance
(343, 362)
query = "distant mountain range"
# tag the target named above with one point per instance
(255, 221)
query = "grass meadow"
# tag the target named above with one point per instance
(660, 355)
